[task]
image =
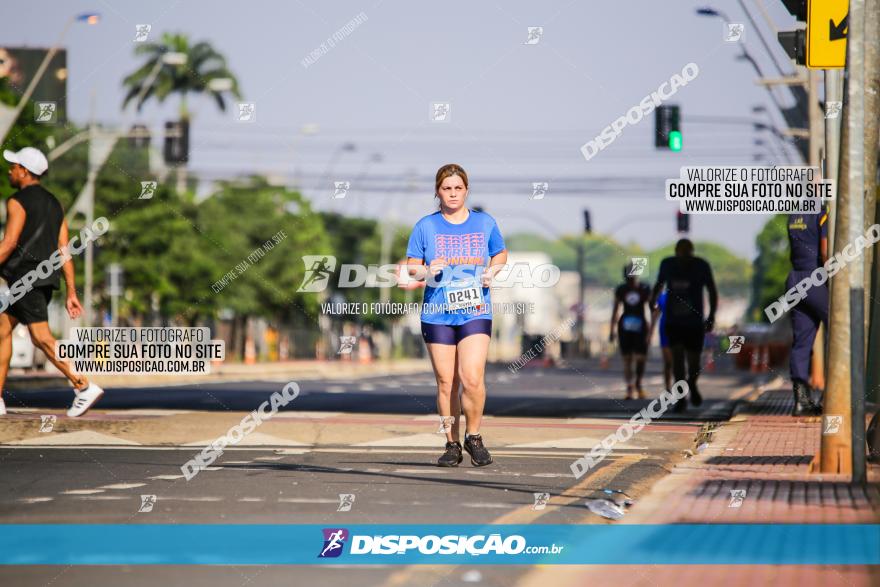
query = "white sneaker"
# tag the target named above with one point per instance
(85, 399)
(2, 407)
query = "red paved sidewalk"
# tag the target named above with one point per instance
(767, 453)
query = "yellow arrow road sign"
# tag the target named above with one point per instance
(827, 22)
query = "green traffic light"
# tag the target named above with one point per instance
(675, 141)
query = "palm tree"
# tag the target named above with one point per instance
(202, 65)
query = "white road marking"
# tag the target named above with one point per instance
(123, 486)
(306, 500)
(431, 471)
(82, 491)
(147, 412)
(335, 389)
(306, 415)
(165, 477)
(35, 499)
(103, 497)
(251, 499)
(196, 499)
(435, 440)
(254, 439)
(77, 438)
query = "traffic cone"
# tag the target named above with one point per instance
(364, 354)
(754, 360)
(765, 359)
(710, 363)
(250, 351)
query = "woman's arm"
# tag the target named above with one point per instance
(496, 263)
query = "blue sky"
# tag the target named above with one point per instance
(519, 113)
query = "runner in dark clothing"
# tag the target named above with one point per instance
(36, 230)
(685, 277)
(632, 329)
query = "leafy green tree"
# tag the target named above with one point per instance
(203, 66)
(240, 218)
(771, 265)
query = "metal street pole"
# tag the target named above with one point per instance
(856, 96)
(581, 301)
(872, 213)
(835, 453)
(833, 93)
(816, 134)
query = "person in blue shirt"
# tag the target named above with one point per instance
(659, 315)
(457, 251)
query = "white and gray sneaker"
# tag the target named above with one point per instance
(85, 399)
(2, 407)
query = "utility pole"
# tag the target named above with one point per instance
(843, 438)
(872, 213)
(856, 151)
(817, 138)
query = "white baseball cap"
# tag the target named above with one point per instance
(31, 159)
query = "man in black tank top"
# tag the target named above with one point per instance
(35, 230)
(632, 329)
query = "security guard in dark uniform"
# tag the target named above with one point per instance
(808, 238)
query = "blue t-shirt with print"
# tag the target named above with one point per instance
(456, 295)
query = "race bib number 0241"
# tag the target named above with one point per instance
(463, 294)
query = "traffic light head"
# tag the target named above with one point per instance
(667, 119)
(675, 141)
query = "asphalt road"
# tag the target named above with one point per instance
(391, 484)
(569, 391)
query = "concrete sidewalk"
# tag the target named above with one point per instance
(753, 469)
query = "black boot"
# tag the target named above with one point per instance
(803, 403)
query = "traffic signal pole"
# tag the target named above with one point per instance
(843, 438)
(856, 152)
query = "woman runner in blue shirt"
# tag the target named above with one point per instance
(462, 250)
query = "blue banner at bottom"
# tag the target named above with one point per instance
(267, 544)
